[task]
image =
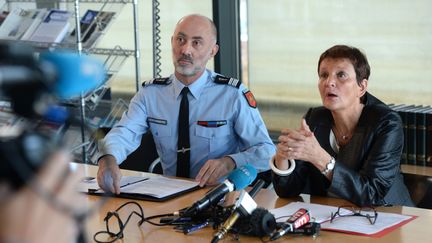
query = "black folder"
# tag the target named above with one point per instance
(156, 188)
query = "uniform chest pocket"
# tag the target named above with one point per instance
(216, 139)
(213, 132)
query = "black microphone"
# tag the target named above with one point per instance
(245, 206)
(236, 180)
(311, 228)
(297, 220)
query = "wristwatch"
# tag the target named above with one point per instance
(329, 167)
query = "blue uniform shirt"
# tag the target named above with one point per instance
(222, 123)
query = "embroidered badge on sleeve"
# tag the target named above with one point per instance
(250, 98)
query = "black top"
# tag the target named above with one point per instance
(367, 170)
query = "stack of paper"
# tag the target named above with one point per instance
(384, 223)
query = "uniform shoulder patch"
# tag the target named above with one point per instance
(219, 79)
(250, 98)
(160, 81)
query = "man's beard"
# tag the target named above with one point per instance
(187, 71)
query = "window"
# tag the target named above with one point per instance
(286, 38)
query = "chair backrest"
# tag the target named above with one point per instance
(142, 158)
(420, 189)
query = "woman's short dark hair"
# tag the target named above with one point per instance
(356, 57)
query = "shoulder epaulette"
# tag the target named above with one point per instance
(219, 79)
(160, 81)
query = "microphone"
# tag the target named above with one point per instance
(74, 73)
(245, 205)
(237, 180)
(297, 220)
(260, 223)
(311, 228)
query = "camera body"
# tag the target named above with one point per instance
(33, 85)
(26, 86)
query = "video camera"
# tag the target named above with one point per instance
(33, 85)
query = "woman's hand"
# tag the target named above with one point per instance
(300, 144)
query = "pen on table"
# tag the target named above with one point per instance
(134, 182)
(196, 227)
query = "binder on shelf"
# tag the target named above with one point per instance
(53, 28)
(401, 110)
(417, 122)
(429, 138)
(421, 136)
(412, 134)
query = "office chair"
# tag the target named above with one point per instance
(420, 189)
(145, 158)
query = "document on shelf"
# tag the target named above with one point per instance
(153, 187)
(384, 223)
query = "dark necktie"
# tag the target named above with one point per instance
(183, 144)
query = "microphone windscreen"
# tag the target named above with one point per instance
(74, 73)
(260, 223)
(242, 177)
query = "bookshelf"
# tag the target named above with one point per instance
(113, 57)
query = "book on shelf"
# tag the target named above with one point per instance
(92, 26)
(53, 28)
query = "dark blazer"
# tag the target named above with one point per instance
(367, 170)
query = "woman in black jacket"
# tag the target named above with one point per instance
(350, 147)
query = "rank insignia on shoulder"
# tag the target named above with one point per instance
(250, 98)
(160, 81)
(219, 79)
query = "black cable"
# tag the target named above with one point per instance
(122, 226)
